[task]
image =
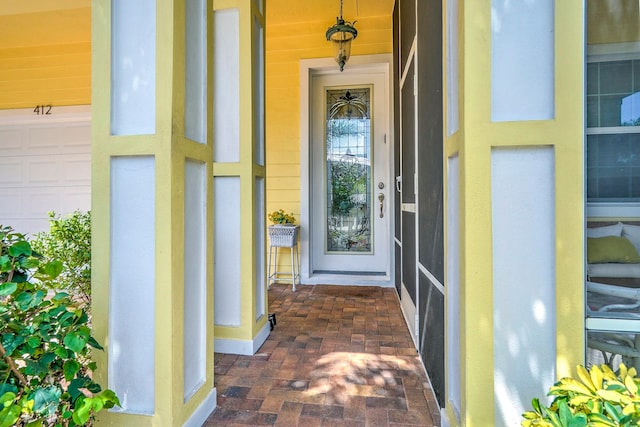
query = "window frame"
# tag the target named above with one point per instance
(609, 53)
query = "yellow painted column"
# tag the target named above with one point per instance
(239, 176)
(518, 157)
(152, 210)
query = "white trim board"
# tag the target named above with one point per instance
(203, 411)
(242, 347)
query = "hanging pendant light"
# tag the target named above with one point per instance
(340, 35)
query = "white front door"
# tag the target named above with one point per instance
(350, 200)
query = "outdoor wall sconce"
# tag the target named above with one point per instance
(340, 35)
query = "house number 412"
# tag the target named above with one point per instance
(43, 110)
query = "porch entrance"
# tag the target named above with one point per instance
(350, 192)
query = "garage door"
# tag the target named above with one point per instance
(45, 165)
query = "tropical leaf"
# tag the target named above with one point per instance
(75, 341)
(580, 399)
(19, 248)
(631, 385)
(596, 376)
(578, 420)
(9, 415)
(584, 376)
(82, 411)
(70, 369)
(570, 384)
(598, 398)
(53, 269)
(608, 374)
(8, 288)
(610, 395)
(46, 399)
(600, 420)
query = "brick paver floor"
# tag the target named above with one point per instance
(338, 356)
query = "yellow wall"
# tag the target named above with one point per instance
(45, 58)
(286, 45)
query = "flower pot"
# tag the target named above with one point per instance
(283, 235)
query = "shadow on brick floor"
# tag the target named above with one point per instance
(338, 356)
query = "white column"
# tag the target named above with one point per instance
(524, 291)
(522, 60)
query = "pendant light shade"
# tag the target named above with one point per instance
(340, 36)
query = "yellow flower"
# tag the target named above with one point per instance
(280, 217)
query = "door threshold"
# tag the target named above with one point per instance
(348, 279)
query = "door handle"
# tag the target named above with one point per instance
(381, 198)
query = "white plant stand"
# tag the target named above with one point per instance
(284, 236)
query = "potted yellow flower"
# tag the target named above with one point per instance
(280, 217)
(284, 231)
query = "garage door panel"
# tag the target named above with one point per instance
(12, 141)
(42, 171)
(45, 165)
(45, 171)
(36, 202)
(77, 170)
(76, 137)
(58, 199)
(79, 198)
(11, 171)
(59, 170)
(31, 203)
(43, 140)
(46, 140)
(11, 206)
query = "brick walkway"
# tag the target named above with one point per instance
(338, 356)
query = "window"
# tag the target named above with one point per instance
(348, 169)
(613, 129)
(613, 183)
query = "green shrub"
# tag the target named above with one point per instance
(69, 240)
(45, 344)
(599, 398)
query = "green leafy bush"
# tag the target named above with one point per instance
(45, 344)
(600, 398)
(69, 240)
